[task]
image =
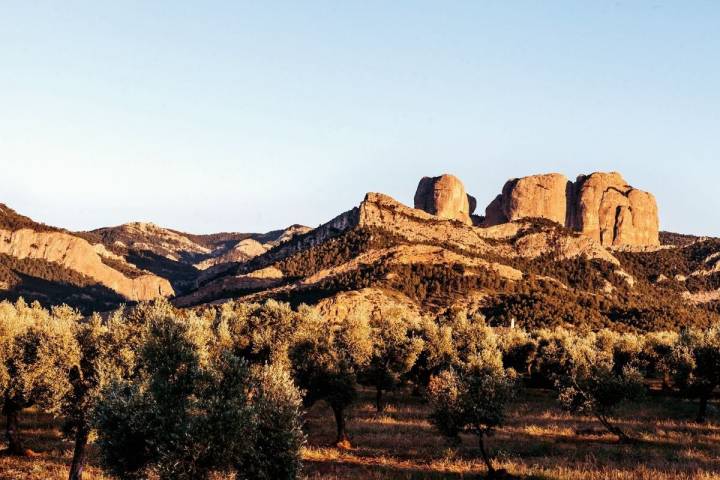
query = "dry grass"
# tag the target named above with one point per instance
(539, 441)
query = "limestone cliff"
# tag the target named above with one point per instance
(77, 254)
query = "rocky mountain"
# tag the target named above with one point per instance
(102, 268)
(531, 263)
(183, 258)
(601, 206)
(548, 251)
(445, 197)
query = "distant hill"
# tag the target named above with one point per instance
(51, 265)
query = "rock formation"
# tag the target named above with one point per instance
(614, 213)
(543, 196)
(601, 206)
(77, 254)
(445, 197)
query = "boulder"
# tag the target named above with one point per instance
(601, 206)
(445, 197)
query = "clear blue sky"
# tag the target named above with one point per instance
(248, 116)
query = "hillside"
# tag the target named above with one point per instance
(180, 257)
(533, 270)
(54, 266)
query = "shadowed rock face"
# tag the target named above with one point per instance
(445, 197)
(601, 206)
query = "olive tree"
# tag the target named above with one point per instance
(37, 352)
(473, 397)
(454, 341)
(107, 354)
(695, 364)
(595, 379)
(195, 407)
(655, 356)
(261, 333)
(396, 346)
(326, 359)
(437, 354)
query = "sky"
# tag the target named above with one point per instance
(251, 116)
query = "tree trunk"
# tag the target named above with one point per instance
(342, 438)
(666, 382)
(12, 412)
(78, 461)
(702, 411)
(379, 405)
(486, 459)
(615, 430)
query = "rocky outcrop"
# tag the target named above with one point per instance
(543, 196)
(612, 212)
(77, 254)
(251, 247)
(257, 280)
(374, 303)
(601, 206)
(416, 237)
(242, 252)
(445, 197)
(149, 237)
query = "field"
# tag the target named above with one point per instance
(539, 441)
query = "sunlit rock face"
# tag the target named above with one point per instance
(445, 197)
(601, 206)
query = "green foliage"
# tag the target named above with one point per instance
(596, 376)
(274, 451)
(474, 397)
(474, 401)
(327, 358)
(196, 407)
(37, 353)
(258, 332)
(457, 343)
(396, 346)
(695, 364)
